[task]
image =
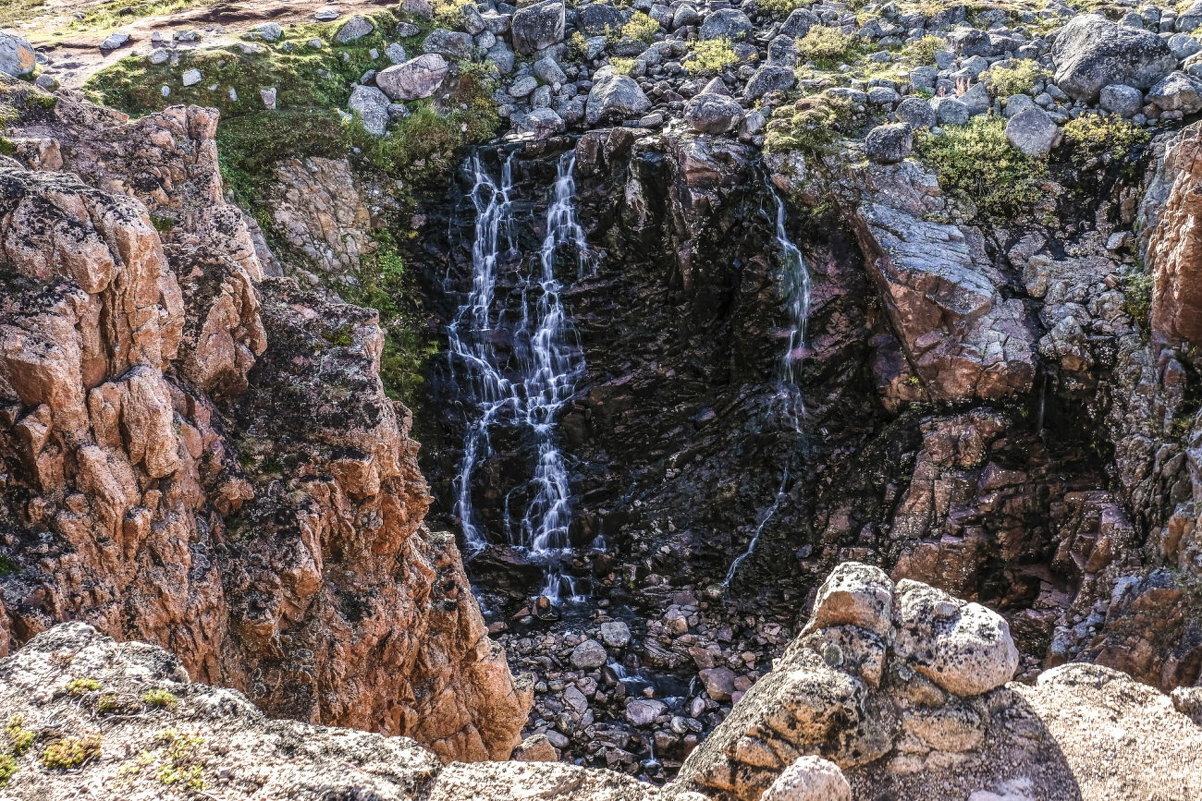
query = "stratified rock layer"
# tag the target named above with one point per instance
(203, 458)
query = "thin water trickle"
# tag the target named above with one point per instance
(796, 287)
(529, 390)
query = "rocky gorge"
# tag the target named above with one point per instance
(697, 310)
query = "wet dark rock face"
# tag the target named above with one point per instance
(1022, 489)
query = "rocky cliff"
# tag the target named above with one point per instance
(201, 456)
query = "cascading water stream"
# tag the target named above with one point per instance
(796, 286)
(528, 391)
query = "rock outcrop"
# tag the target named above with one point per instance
(204, 458)
(863, 703)
(1174, 250)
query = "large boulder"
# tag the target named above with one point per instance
(726, 23)
(888, 144)
(16, 55)
(537, 26)
(713, 113)
(1033, 132)
(1091, 52)
(452, 44)
(769, 79)
(614, 97)
(416, 78)
(1177, 92)
(963, 647)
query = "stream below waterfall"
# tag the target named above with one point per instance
(516, 359)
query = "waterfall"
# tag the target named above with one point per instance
(795, 275)
(528, 390)
(795, 285)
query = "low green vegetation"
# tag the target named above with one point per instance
(1092, 136)
(113, 14)
(159, 698)
(8, 768)
(811, 126)
(14, 11)
(1017, 79)
(387, 287)
(82, 686)
(978, 166)
(710, 57)
(313, 85)
(449, 13)
(923, 51)
(17, 738)
(8, 566)
(640, 28)
(623, 66)
(777, 9)
(1137, 296)
(174, 761)
(71, 752)
(827, 47)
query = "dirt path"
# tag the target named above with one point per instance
(72, 44)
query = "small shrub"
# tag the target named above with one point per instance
(577, 46)
(811, 126)
(19, 738)
(1137, 296)
(977, 164)
(709, 57)
(1092, 136)
(923, 51)
(82, 686)
(159, 698)
(826, 46)
(777, 9)
(8, 767)
(640, 28)
(71, 752)
(1018, 79)
(179, 765)
(623, 66)
(449, 13)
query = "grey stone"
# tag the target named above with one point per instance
(549, 71)
(496, 23)
(883, 96)
(473, 22)
(537, 26)
(354, 29)
(1016, 104)
(643, 712)
(268, 31)
(917, 112)
(588, 655)
(268, 96)
(191, 77)
(48, 82)
(685, 16)
(502, 57)
(1091, 52)
(395, 53)
(406, 30)
(725, 23)
(1177, 92)
(541, 123)
(1183, 45)
(1126, 101)
(769, 79)
(159, 55)
(888, 144)
(327, 15)
(372, 107)
(950, 111)
(600, 18)
(115, 40)
(713, 113)
(417, 78)
(452, 44)
(615, 634)
(523, 86)
(614, 96)
(799, 22)
(1033, 132)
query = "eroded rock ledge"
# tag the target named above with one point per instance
(197, 456)
(891, 691)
